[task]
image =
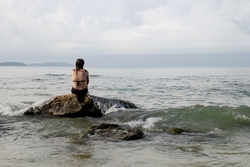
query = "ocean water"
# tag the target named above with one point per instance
(212, 104)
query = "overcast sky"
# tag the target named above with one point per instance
(126, 32)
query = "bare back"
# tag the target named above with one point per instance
(80, 79)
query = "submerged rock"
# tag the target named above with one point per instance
(71, 105)
(175, 131)
(113, 132)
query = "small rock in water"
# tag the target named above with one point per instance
(112, 131)
(175, 131)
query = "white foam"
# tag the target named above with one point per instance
(114, 108)
(215, 131)
(148, 124)
(5, 109)
(107, 106)
(243, 117)
(136, 123)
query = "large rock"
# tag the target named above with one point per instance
(112, 132)
(73, 106)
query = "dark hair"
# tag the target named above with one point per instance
(79, 64)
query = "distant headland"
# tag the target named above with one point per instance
(12, 64)
(34, 64)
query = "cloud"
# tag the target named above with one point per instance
(126, 27)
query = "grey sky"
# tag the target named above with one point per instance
(126, 31)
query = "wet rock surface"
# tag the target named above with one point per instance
(66, 105)
(112, 132)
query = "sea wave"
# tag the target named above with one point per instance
(207, 118)
(10, 110)
(194, 119)
(7, 110)
(53, 75)
(108, 106)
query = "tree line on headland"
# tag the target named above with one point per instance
(12, 64)
(34, 64)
